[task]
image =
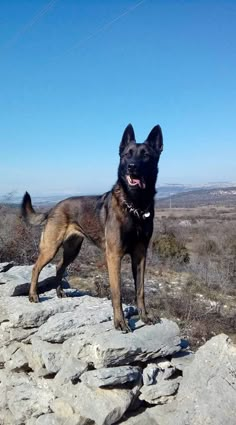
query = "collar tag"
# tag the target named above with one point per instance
(146, 215)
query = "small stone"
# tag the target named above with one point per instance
(160, 392)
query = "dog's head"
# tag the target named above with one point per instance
(138, 166)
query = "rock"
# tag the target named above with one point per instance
(71, 370)
(62, 408)
(182, 359)
(103, 346)
(62, 326)
(16, 280)
(18, 361)
(21, 313)
(6, 417)
(44, 354)
(27, 398)
(112, 376)
(104, 407)
(149, 374)
(53, 419)
(3, 395)
(146, 417)
(164, 363)
(159, 393)
(47, 419)
(207, 392)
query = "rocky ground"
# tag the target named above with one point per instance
(61, 362)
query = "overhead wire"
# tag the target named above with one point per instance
(42, 12)
(103, 27)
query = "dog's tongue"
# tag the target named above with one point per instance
(135, 182)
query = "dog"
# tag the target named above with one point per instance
(119, 221)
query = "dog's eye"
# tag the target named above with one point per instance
(129, 154)
(144, 154)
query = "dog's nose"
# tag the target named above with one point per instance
(131, 168)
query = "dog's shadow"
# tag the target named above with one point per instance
(46, 285)
(50, 283)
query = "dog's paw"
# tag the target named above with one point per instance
(122, 325)
(61, 293)
(149, 319)
(34, 298)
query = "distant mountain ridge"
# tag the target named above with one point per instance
(220, 196)
(175, 195)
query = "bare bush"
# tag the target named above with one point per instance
(18, 242)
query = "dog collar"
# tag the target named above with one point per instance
(136, 211)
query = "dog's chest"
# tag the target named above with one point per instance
(135, 230)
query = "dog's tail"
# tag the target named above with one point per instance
(29, 214)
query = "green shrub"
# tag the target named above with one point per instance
(169, 248)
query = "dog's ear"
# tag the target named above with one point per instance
(155, 139)
(127, 137)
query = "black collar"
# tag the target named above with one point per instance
(136, 212)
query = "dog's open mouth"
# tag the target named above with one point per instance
(134, 181)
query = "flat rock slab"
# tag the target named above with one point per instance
(21, 313)
(103, 346)
(111, 376)
(62, 326)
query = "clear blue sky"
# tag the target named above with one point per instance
(74, 73)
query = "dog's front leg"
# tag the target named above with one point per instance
(138, 258)
(113, 264)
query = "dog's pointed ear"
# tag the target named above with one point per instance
(155, 139)
(128, 136)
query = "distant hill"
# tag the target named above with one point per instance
(179, 195)
(199, 197)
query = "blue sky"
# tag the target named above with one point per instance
(74, 73)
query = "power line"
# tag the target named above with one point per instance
(104, 27)
(42, 12)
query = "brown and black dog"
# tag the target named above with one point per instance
(119, 221)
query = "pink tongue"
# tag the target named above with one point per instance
(135, 182)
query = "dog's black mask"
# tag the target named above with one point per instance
(138, 168)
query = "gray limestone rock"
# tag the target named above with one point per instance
(103, 406)
(103, 346)
(111, 376)
(159, 393)
(207, 393)
(62, 326)
(23, 314)
(70, 371)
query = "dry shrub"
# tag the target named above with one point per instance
(18, 242)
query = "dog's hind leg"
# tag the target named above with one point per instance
(51, 240)
(71, 248)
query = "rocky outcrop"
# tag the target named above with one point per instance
(62, 362)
